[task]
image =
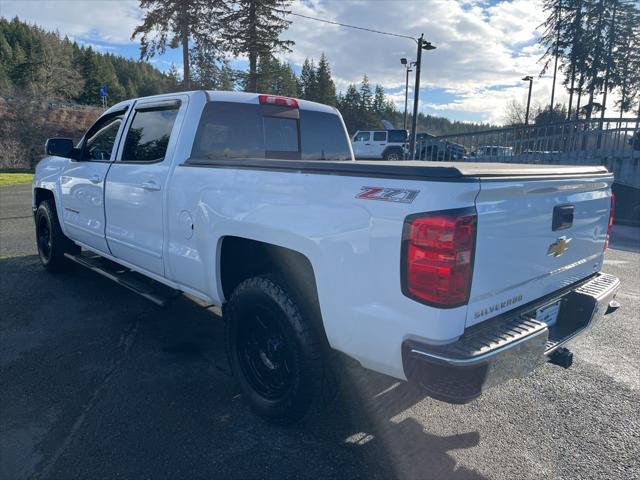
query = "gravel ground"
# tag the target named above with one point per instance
(96, 382)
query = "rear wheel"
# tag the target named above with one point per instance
(275, 354)
(393, 155)
(51, 242)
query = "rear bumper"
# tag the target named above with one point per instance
(508, 346)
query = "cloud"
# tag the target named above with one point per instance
(479, 45)
(102, 21)
(483, 47)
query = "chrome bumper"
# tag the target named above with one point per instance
(508, 346)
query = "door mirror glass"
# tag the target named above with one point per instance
(59, 147)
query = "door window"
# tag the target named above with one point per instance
(362, 137)
(379, 136)
(148, 136)
(101, 137)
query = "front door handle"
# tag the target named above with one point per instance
(151, 186)
(95, 179)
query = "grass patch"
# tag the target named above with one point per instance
(15, 178)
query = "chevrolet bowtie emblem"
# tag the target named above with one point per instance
(560, 246)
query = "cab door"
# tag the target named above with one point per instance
(82, 182)
(362, 145)
(379, 144)
(136, 185)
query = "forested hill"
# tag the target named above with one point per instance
(44, 66)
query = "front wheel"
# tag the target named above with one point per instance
(51, 242)
(275, 354)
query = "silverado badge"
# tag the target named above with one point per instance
(560, 246)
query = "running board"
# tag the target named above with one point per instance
(144, 286)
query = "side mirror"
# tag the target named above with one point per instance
(59, 147)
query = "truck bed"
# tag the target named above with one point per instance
(407, 169)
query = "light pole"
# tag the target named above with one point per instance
(407, 66)
(422, 45)
(529, 79)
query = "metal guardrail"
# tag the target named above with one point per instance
(612, 142)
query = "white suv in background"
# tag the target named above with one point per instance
(379, 144)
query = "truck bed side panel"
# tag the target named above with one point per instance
(353, 245)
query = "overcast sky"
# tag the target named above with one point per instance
(484, 48)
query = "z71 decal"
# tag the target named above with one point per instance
(401, 195)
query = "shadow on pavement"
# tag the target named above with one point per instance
(625, 237)
(101, 383)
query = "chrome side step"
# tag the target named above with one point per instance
(154, 291)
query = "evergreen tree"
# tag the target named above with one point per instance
(173, 23)
(253, 28)
(349, 106)
(366, 96)
(276, 78)
(379, 103)
(324, 86)
(173, 74)
(307, 83)
(227, 78)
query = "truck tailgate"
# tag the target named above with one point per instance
(519, 257)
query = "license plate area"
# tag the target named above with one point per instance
(549, 313)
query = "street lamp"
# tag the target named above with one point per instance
(407, 66)
(529, 79)
(422, 45)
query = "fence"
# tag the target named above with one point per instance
(612, 142)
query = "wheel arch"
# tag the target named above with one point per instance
(40, 194)
(393, 148)
(241, 258)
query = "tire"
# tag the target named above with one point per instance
(279, 360)
(393, 155)
(51, 242)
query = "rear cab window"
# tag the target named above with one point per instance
(233, 130)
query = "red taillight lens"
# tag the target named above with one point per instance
(610, 226)
(438, 257)
(278, 100)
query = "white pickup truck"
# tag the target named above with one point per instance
(453, 276)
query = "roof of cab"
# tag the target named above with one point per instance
(227, 96)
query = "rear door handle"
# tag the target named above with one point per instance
(151, 186)
(95, 179)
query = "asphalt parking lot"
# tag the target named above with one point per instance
(96, 382)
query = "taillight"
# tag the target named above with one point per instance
(278, 100)
(437, 257)
(610, 226)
